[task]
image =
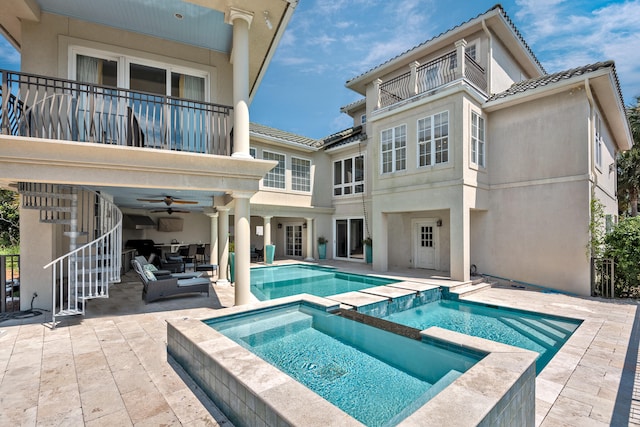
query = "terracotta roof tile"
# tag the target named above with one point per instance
(269, 132)
(345, 137)
(547, 79)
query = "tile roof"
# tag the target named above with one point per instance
(283, 136)
(547, 79)
(345, 137)
(495, 7)
(354, 104)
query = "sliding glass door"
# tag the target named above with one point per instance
(349, 234)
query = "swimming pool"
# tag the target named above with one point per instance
(360, 369)
(285, 280)
(251, 391)
(543, 334)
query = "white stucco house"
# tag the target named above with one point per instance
(464, 153)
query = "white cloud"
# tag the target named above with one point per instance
(9, 57)
(564, 37)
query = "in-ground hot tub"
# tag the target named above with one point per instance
(292, 362)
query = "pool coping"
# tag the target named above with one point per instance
(499, 388)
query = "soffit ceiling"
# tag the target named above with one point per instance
(199, 26)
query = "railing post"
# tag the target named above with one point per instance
(4, 111)
(3, 284)
(460, 48)
(376, 88)
(413, 81)
(92, 110)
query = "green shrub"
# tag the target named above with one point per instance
(623, 245)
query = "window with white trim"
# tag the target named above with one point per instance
(433, 139)
(363, 119)
(300, 174)
(275, 177)
(477, 139)
(348, 176)
(393, 148)
(598, 141)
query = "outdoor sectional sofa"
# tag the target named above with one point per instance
(155, 288)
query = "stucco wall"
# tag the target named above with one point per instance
(504, 69)
(536, 227)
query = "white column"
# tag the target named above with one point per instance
(380, 241)
(413, 78)
(242, 247)
(460, 243)
(223, 248)
(309, 239)
(267, 231)
(213, 255)
(241, 21)
(376, 88)
(460, 51)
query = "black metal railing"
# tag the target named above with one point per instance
(603, 277)
(475, 73)
(47, 107)
(9, 283)
(430, 76)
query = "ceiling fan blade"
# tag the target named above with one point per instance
(185, 202)
(150, 200)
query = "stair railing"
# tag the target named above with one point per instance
(88, 271)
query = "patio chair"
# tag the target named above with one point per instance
(154, 288)
(162, 274)
(190, 258)
(173, 263)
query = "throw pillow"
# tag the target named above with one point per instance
(150, 275)
(150, 267)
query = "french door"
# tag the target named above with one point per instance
(293, 239)
(349, 236)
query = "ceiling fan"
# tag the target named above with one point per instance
(168, 200)
(171, 210)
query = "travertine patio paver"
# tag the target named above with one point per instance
(111, 367)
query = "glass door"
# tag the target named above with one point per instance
(293, 237)
(349, 237)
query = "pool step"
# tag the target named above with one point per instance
(467, 288)
(272, 327)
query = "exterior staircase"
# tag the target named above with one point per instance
(93, 226)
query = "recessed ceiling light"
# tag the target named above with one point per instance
(178, 15)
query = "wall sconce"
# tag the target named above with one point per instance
(612, 167)
(304, 225)
(439, 223)
(279, 225)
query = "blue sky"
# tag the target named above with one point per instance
(331, 41)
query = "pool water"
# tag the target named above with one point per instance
(280, 281)
(375, 376)
(532, 331)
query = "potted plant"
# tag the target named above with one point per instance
(368, 247)
(322, 247)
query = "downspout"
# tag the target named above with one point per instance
(592, 173)
(489, 56)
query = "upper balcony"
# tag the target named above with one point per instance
(422, 79)
(45, 107)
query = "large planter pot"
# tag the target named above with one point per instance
(322, 250)
(232, 267)
(270, 251)
(368, 253)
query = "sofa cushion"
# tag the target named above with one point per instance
(150, 267)
(149, 275)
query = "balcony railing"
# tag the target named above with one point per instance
(430, 76)
(46, 107)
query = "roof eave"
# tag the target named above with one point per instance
(281, 141)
